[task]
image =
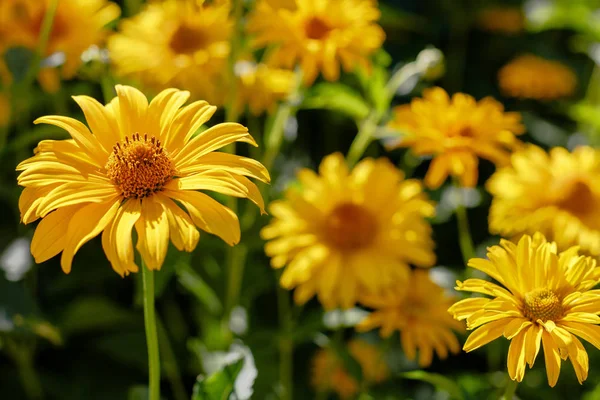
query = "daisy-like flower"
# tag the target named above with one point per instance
(542, 297)
(318, 34)
(191, 50)
(556, 193)
(507, 20)
(456, 131)
(139, 165)
(532, 77)
(329, 374)
(420, 312)
(260, 86)
(345, 232)
(77, 25)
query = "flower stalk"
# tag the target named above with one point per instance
(151, 333)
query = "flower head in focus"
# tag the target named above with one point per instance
(556, 193)
(532, 77)
(543, 297)
(347, 231)
(507, 20)
(139, 166)
(456, 131)
(191, 50)
(420, 312)
(318, 35)
(77, 24)
(329, 374)
(260, 86)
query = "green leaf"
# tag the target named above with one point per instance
(138, 392)
(337, 97)
(350, 363)
(218, 386)
(94, 313)
(194, 283)
(440, 382)
(18, 60)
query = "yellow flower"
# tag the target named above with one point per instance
(420, 312)
(261, 87)
(546, 298)
(176, 44)
(347, 232)
(329, 374)
(532, 77)
(455, 131)
(556, 193)
(77, 25)
(508, 20)
(135, 167)
(318, 34)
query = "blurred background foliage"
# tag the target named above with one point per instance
(81, 336)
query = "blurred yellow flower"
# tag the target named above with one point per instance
(345, 232)
(419, 310)
(77, 25)
(456, 131)
(137, 165)
(545, 297)
(329, 374)
(532, 77)
(318, 34)
(176, 44)
(556, 193)
(261, 87)
(507, 20)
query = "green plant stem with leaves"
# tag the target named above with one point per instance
(510, 390)
(151, 333)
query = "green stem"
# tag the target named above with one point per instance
(170, 363)
(510, 390)
(151, 333)
(29, 378)
(286, 343)
(464, 235)
(363, 139)
(236, 274)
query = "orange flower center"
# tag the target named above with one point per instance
(317, 29)
(139, 167)
(187, 40)
(578, 198)
(542, 304)
(350, 226)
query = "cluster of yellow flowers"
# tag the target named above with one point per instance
(344, 235)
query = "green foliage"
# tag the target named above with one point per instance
(218, 386)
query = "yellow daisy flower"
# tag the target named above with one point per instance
(420, 312)
(507, 20)
(347, 231)
(455, 131)
(77, 25)
(318, 34)
(532, 77)
(135, 167)
(261, 86)
(329, 374)
(556, 193)
(545, 298)
(191, 50)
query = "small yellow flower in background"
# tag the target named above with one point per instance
(507, 20)
(545, 298)
(134, 167)
(532, 77)
(556, 193)
(345, 232)
(419, 310)
(329, 374)
(456, 131)
(261, 87)
(318, 35)
(77, 25)
(176, 44)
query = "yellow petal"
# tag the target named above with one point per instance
(579, 359)
(228, 162)
(76, 193)
(184, 234)
(516, 357)
(50, 234)
(85, 224)
(590, 333)
(162, 111)
(209, 215)
(437, 172)
(186, 122)
(485, 334)
(102, 124)
(133, 110)
(552, 358)
(116, 238)
(153, 233)
(533, 339)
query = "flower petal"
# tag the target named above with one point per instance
(552, 358)
(184, 234)
(228, 162)
(50, 235)
(133, 110)
(116, 238)
(153, 233)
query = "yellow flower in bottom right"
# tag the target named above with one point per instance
(543, 297)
